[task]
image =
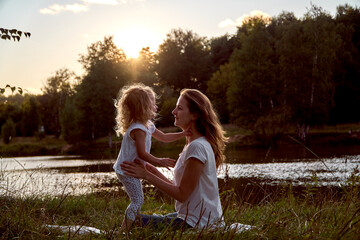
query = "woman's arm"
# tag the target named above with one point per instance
(156, 172)
(189, 180)
(168, 137)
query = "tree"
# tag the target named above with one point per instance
(312, 48)
(30, 121)
(142, 68)
(69, 121)
(8, 34)
(347, 67)
(8, 131)
(221, 49)
(253, 86)
(183, 61)
(56, 90)
(217, 89)
(106, 72)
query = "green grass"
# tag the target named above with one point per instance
(310, 215)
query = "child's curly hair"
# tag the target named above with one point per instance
(133, 104)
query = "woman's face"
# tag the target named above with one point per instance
(183, 117)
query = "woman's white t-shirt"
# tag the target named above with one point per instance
(203, 208)
(128, 149)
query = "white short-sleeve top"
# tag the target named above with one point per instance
(203, 208)
(128, 149)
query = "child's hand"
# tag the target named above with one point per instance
(166, 162)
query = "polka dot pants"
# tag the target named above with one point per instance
(133, 189)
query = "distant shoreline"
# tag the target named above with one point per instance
(50, 146)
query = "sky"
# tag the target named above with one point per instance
(61, 30)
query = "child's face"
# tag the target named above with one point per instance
(153, 102)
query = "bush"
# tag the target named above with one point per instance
(8, 131)
(269, 128)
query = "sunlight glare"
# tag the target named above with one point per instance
(134, 39)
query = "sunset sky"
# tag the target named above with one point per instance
(62, 29)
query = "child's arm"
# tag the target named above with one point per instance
(168, 137)
(139, 137)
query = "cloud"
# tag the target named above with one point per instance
(239, 21)
(56, 8)
(105, 2)
(226, 23)
(76, 7)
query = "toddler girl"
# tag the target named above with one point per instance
(135, 108)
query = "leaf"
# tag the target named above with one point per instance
(19, 33)
(2, 30)
(13, 31)
(4, 36)
(20, 90)
(17, 38)
(2, 90)
(13, 89)
(7, 86)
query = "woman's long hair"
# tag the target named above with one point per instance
(207, 122)
(133, 105)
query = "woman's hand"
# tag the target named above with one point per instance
(134, 169)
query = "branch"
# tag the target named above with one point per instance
(8, 34)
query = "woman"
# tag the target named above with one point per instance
(195, 184)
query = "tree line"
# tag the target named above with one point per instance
(271, 74)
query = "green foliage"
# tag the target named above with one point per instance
(57, 90)
(142, 68)
(221, 49)
(217, 89)
(287, 62)
(8, 131)
(270, 127)
(13, 89)
(253, 88)
(183, 61)
(69, 122)
(310, 65)
(30, 121)
(8, 34)
(106, 72)
(347, 69)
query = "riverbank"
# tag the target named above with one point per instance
(346, 134)
(281, 215)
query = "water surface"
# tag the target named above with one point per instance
(57, 175)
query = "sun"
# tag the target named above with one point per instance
(132, 40)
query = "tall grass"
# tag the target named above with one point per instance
(282, 215)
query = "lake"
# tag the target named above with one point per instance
(327, 166)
